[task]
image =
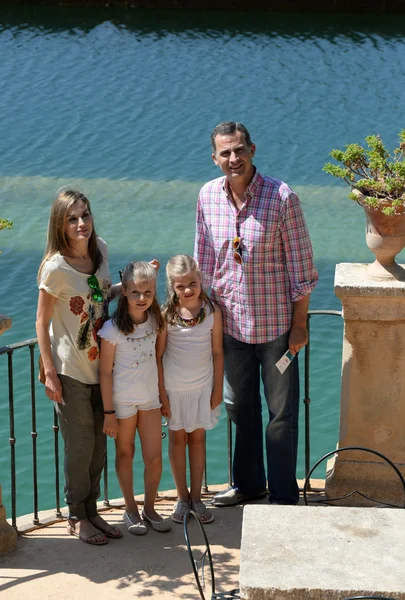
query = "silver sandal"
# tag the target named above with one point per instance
(203, 513)
(179, 510)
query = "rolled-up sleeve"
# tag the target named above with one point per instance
(204, 251)
(299, 262)
(51, 280)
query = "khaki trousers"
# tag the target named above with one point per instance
(81, 419)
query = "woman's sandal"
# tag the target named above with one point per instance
(162, 526)
(203, 513)
(179, 510)
(89, 539)
(110, 531)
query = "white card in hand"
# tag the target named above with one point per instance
(284, 361)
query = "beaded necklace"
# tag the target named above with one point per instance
(183, 322)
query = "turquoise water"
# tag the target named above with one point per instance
(121, 104)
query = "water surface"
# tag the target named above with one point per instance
(121, 104)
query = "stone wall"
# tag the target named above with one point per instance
(318, 6)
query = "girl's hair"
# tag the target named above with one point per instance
(178, 266)
(56, 238)
(137, 271)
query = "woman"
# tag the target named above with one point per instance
(74, 283)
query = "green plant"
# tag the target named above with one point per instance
(4, 224)
(376, 177)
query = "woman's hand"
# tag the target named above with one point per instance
(165, 408)
(155, 264)
(216, 399)
(53, 387)
(110, 426)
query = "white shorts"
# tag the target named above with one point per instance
(125, 411)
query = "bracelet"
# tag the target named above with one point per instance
(109, 412)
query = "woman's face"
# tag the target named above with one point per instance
(78, 223)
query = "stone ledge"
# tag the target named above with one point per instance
(315, 553)
(351, 280)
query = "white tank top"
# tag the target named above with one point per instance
(187, 362)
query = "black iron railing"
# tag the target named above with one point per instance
(10, 349)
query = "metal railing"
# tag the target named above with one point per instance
(9, 351)
(31, 344)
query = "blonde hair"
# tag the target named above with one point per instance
(137, 271)
(57, 241)
(178, 266)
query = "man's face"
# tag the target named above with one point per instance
(234, 157)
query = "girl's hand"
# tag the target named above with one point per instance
(53, 387)
(216, 399)
(155, 264)
(165, 408)
(110, 426)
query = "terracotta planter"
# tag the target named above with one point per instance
(385, 236)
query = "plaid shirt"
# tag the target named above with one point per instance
(256, 297)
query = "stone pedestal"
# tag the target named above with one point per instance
(372, 412)
(321, 553)
(8, 535)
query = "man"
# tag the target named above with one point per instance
(253, 247)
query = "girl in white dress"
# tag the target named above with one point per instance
(191, 367)
(129, 388)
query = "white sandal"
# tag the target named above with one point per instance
(162, 526)
(135, 527)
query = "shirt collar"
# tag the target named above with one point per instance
(251, 188)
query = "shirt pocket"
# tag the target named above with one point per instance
(261, 244)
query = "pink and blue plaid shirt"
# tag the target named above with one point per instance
(256, 297)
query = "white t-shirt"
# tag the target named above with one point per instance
(76, 318)
(135, 378)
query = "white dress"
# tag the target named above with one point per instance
(135, 379)
(189, 375)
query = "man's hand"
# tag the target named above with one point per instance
(298, 338)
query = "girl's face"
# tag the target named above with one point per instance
(139, 294)
(187, 286)
(78, 223)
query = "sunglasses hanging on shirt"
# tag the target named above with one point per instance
(95, 288)
(237, 250)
